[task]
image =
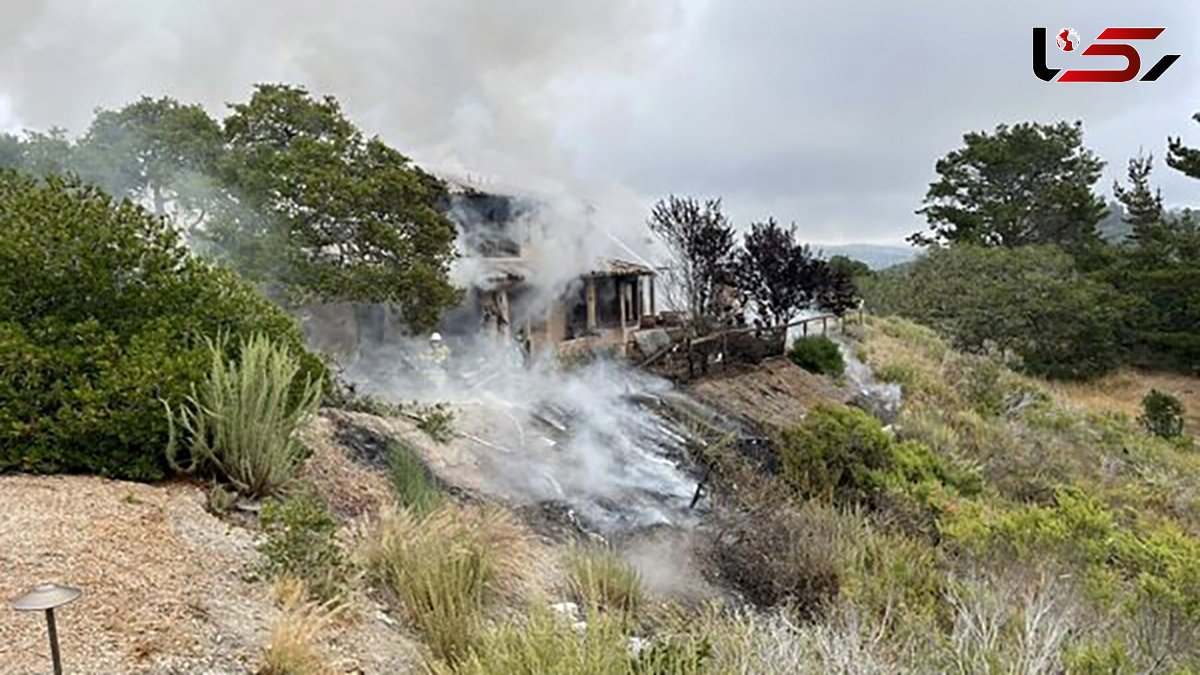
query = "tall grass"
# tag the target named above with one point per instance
(413, 485)
(599, 579)
(242, 420)
(447, 568)
(545, 643)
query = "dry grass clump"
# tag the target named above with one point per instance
(294, 647)
(598, 578)
(448, 567)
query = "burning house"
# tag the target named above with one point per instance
(505, 246)
(521, 282)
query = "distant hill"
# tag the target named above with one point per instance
(876, 256)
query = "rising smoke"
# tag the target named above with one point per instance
(595, 439)
(465, 88)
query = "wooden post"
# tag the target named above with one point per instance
(590, 287)
(622, 307)
(804, 324)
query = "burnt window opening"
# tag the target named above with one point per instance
(577, 313)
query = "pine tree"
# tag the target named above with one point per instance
(1182, 158)
(1143, 206)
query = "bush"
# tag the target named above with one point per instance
(101, 316)
(412, 483)
(243, 419)
(834, 453)
(300, 542)
(818, 354)
(436, 420)
(600, 579)
(446, 568)
(1162, 414)
(1029, 304)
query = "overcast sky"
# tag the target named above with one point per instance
(829, 114)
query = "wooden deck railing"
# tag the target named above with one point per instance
(738, 345)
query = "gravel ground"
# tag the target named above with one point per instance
(163, 581)
(168, 587)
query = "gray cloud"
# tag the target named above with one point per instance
(829, 114)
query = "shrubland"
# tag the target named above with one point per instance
(103, 317)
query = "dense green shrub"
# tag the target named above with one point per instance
(300, 542)
(1029, 305)
(102, 314)
(1145, 564)
(242, 420)
(818, 354)
(1162, 414)
(834, 452)
(844, 454)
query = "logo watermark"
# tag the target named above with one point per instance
(1106, 44)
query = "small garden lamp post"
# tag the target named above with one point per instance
(47, 597)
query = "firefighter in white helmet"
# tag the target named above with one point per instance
(435, 359)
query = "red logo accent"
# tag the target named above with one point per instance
(1068, 41)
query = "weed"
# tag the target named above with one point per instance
(546, 643)
(436, 420)
(300, 542)
(294, 642)
(220, 499)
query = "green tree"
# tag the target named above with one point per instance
(1182, 158)
(158, 152)
(48, 153)
(1143, 206)
(849, 266)
(841, 292)
(102, 315)
(1028, 305)
(11, 152)
(1160, 272)
(1022, 185)
(357, 220)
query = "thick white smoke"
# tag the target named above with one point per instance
(461, 85)
(593, 438)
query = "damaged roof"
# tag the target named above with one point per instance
(613, 266)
